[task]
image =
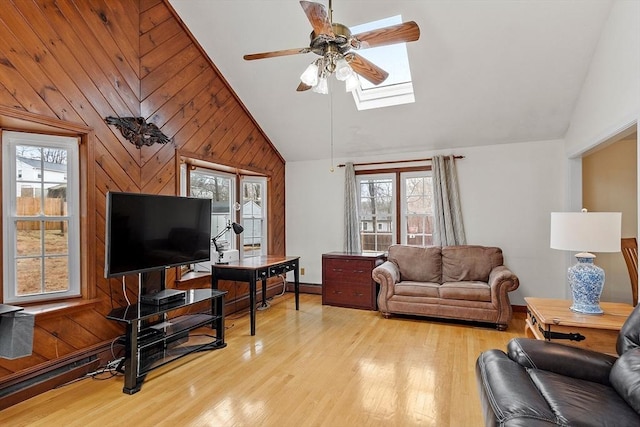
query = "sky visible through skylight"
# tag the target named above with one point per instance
(392, 58)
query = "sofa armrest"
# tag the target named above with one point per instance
(562, 359)
(502, 280)
(386, 275)
(507, 394)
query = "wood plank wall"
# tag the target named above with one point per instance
(80, 61)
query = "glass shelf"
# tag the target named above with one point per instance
(137, 312)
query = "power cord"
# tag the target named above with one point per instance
(111, 368)
(267, 305)
(124, 291)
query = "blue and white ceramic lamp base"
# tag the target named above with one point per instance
(586, 281)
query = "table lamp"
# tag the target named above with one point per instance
(586, 231)
(237, 229)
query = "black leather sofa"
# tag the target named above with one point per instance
(538, 383)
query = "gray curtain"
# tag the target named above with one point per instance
(351, 224)
(448, 227)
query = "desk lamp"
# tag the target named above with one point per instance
(237, 228)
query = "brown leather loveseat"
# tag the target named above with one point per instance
(454, 282)
(539, 383)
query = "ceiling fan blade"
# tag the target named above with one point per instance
(302, 87)
(317, 15)
(276, 53)
(368, 69)
(405, 32)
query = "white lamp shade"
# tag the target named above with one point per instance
(352, 83)
(322, 86)
(310, 75)
(586, 231)
(343, 70)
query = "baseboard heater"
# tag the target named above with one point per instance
(32, 386)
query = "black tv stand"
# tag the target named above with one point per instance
(150, 345)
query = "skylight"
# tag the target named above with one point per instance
(397, 88)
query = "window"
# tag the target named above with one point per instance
(246, 206)
(397, 203)
(254, 216)
(397, 88)
(41, 217)
(377, 206)
(417, 209)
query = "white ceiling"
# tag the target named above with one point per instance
(484, 72)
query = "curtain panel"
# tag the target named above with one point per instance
(351, 220)
(448, 226)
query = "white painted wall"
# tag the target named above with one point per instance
(608, 108)
(507, 190)
(609, 101)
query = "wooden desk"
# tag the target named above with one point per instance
(253, 269)
(553, 320)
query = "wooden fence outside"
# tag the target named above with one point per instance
(30, 206)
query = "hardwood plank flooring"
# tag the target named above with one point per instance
(320, 366)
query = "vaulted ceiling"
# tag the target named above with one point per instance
(484, 72)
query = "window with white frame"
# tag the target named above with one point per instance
(220, 188)
(246, 206)
(41, 217)
(254, 216)
(397, 89)
(392, 204)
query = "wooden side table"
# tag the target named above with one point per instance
(553, 320)
(347, 281)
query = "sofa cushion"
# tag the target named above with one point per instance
(625, 377)
(417, 263)
(469, 263)
(468, 291)
(417, 289)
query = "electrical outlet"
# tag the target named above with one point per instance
(302, 271)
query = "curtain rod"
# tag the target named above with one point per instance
(395, 161)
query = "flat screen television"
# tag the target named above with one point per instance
(147, 232)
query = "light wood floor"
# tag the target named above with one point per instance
(320, 366)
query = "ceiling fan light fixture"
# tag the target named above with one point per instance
(310, 75)
(333, 43)
(343, 70)
(322, 86)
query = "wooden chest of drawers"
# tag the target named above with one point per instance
(346, 279)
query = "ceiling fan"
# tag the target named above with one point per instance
(336, 46)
